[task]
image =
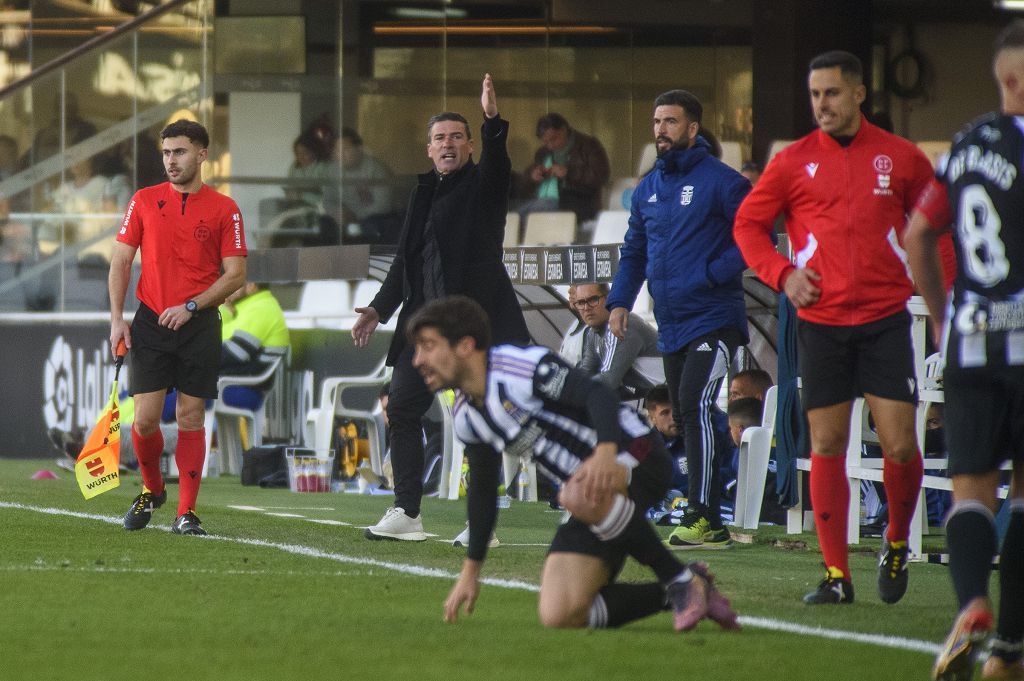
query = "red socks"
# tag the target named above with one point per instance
(830, 497)
(902, 485)
(148, 450)
(189, 456)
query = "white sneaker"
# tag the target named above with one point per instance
(463, 539)
(397, 525)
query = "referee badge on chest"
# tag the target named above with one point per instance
(201, 231)
(686, 196)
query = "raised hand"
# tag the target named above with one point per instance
(487, 98)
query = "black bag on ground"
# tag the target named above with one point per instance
(260, 462)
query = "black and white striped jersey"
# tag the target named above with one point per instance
(982, 174)
(537, 406)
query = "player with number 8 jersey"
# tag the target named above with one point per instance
(979, 195)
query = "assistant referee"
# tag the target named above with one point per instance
(193, 256)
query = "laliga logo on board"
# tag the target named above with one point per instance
(75, 390)
(58, 387)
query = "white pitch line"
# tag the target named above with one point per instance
(874, 639)
(285, 515)
(897, 642)
(325, 521)
(180, 571)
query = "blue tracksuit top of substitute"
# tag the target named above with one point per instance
(680, 240)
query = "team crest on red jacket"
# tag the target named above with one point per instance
(883, 166)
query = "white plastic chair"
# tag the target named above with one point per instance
(732, 155)
(755, 450)
(549, 228)
(329, 297)
(454, 452)
(611, 227)
(619, 187)
(511, 229)
(647, 158)
(364, 293)
(320, 420)
(228, 418)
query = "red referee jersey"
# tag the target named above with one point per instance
(183, 238)
(845, 210)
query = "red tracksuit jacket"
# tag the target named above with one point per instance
(845, 209)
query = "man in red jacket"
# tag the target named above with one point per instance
(845, 190)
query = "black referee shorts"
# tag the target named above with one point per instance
(187, 359)
(648, 486)
(984, 418)
(839, 363)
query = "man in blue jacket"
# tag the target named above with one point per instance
(680, 240)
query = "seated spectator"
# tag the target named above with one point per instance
(743, 413)
(938, 501)
(659, 413)
(631, 366)
(571, 349)
(86, 191)
(746, 412)
(658, 404)
(750, 383)
(361, 198)
(311, 165)
(568, 172)
(251, 321)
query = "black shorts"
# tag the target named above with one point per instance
(647, 487)
(839, 363)
(187, 359)
(984, 418)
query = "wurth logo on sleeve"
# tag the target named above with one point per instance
(237, 219)
(127, 217)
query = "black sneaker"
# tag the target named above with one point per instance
(831, 591)
(139, 515)
(717, 539)
(188, 523)
(892, 572)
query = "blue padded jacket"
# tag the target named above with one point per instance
(680, 240)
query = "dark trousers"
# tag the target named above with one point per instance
(408, 401)
(694, 374)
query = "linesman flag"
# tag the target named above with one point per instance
(96, 467)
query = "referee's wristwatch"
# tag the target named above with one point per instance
(192, 306)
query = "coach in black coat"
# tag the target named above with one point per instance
(451, 243)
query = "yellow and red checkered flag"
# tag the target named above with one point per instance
(97, 466)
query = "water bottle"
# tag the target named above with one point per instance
(504, 500)
(524, 482)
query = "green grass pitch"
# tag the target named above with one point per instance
(280, 597)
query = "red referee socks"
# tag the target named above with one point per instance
(902, 484)
(148, 450)
(189, 455)
(830, 497)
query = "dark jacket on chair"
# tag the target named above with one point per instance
(451, 243)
